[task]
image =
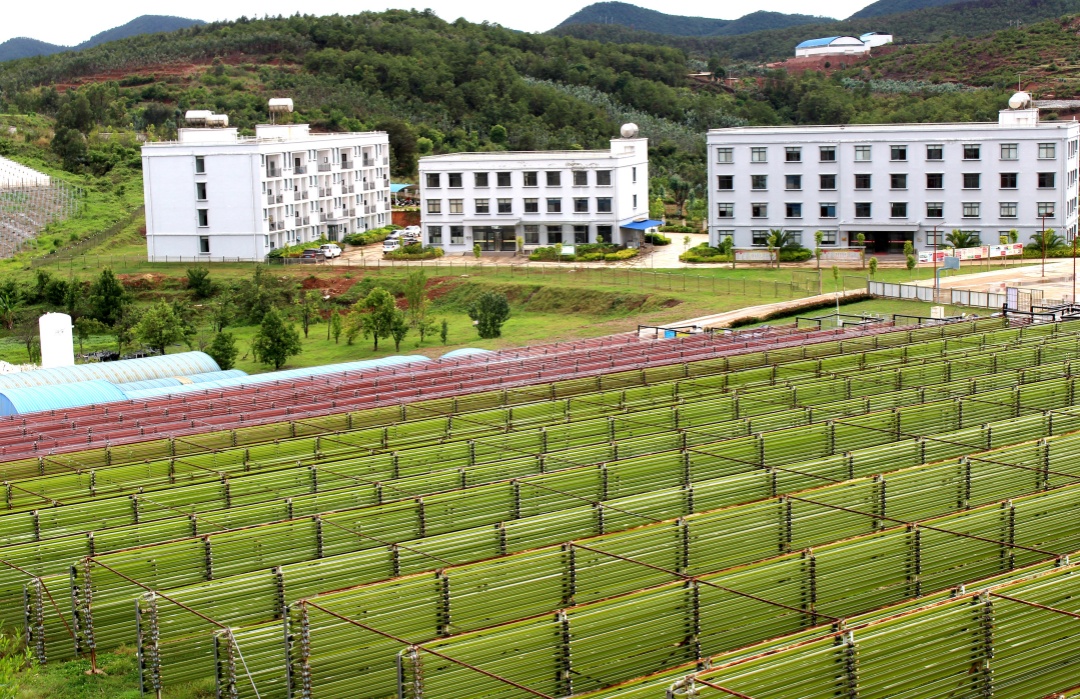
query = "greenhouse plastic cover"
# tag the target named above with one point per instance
(306, 372)
(465, 352)
(180, 381)
(16, 401)
(123, 371)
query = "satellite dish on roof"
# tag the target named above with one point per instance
(629, 131)
(1020, 100)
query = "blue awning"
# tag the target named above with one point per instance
(395, 188)
(642, 225)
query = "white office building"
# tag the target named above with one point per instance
(832, 46)
(215, 194)
(895, 182)
(543, 197)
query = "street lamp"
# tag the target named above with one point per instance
(936, 290)
(1044, 246)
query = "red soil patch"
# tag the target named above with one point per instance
(142, 281)
(159, 71)
(336, 285)
(805, 63)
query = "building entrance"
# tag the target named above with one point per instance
(495, 238)
(884, 242)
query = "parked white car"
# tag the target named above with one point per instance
(331, 250)
(390, 245)
(412, 231)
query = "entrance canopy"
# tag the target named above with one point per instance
(642, 225)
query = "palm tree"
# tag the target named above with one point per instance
(1048, 239)
(778, 240)
(962, 239)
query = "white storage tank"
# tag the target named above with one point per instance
(57, 347)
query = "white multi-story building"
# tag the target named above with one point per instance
(216, 194)
(895, 182)
(543, 197)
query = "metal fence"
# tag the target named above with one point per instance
(954, 297)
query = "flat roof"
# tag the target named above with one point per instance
(258, 140)
(937, 126)
(527, 155)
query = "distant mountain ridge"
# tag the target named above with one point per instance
(643, 19)
(25, 47)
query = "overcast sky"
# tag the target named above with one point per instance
(70, 22)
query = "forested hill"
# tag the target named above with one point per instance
(22, 47)
(925, 25)
(643, 19)
(894, 7)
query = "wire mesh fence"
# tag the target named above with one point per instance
(27, 207)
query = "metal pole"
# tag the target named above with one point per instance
(1044, 247)
(1073, 300)
(936, 289)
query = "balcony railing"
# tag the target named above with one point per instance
(368, 186)
(269, 198)
(350, 189)
(352, 212)
(273, 172)
(368, 163)
(279, 199)
(300, 170)
(304, 194)
(324, 167)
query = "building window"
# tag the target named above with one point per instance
(504, 206)
(862, 209)
(204, 217)
(531, 235)
(971, 180)
(553, 178)
(793, 182)
(554, 235)
(529, 179)
(827, 182)
(603, 234)
(862, 181)
(454, 179)
(603, 178)
(603, 205)
(1008, 209)
(935, 209)
(633, 175)
(759, 210)
(725, 155)
(434, 235)
(935, 180)
(200, 165)
(581, 235)
(721, 235)
(480, 179)
(725, 182)
(434, 206)
(725, 210)
(792, 154)
(204, 244)
(863, 153)
(633, 202)
(1008, 180)
(971, 209)
(759, 155)
(828, 210)
(1046, 180)
(1010, 151)
(1047, 151)
(897, 181)
(502, 179)
(827, 154)
(759, 238)
(481, 206)
(935, 152)
(793, 210)
(581, 178)
(935, 238)
(972, 151)
(457, 235)
(898, 209)
(200, 191)
(457, 206)
(433, 180)
(581, 205)
(532, 206)
(828, 237)
(554, 206)
(759, 181)
(1044, 208)
(898, 153)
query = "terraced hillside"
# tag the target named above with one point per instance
(607, 530)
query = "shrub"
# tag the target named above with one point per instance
(625, 254)
(657, 239)
(795, 254)
(705, 253)
(550, 254)
(415, 251)
(679, 229)
(375, 235)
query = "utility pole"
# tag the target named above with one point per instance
(1044, 246)
(936, 289)
(1074, 271)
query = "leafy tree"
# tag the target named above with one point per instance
(198, 281)
(309, 309)
(399, 328)
(962, 239)
(860, 240)
(498, 134)
(679, 189)
(223, 350)
(425, 327)
(257, 295)
(911, 262)
(108, 298)
(41, 283)
(656, 209)
(778, 240)
(335, 325)
(873, 266)
(124, 327)
(9, 305)
(73, 298)
(160, 326)
(86, 327)
(490, 311)
(424, 145)
(15, 658)
(275, 340)
(444, 331)
(70, 145)
(476, 251)
(221, 312)
(373, 316)
(909, 247)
